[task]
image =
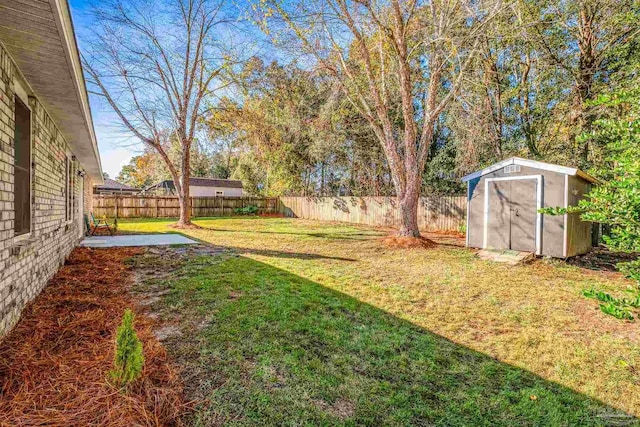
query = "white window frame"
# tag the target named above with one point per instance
(21, 93)
(221, 193)
(539, 202)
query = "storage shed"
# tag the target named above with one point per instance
(503, 202)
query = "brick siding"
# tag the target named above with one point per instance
(87, 197)
(26, 264)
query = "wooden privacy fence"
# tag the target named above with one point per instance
(434, 213)
(135, 206)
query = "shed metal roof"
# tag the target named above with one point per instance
(531, 163)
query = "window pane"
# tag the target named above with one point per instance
(22, 201)
(67, 188)
(23, 135)
(22, 169)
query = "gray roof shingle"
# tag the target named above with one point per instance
(202, 182)
(112, 184)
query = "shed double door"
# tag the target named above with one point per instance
(511, 220)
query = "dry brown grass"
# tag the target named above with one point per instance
(54, 363)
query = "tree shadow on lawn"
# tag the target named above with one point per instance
(285, 254)
(342, 235)
(261, 346)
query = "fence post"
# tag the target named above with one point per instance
(116, 201)
(157, 209)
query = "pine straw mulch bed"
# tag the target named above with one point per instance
(398, 242)
(54, 363)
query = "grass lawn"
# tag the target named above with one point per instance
(308, 323)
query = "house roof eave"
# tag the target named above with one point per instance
(59, 86)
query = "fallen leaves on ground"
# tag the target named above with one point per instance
(54, 363)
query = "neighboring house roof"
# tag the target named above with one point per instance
(215, 182)
(530, 163)
(200, 182)
(41, 40)
(113, 185)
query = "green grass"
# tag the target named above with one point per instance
(320, 324)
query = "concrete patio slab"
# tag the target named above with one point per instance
(507, 256)
(136, 240)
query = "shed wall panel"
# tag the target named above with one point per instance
(553, 196)
(578, 231)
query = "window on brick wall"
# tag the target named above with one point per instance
(22, 168)
(68, 179)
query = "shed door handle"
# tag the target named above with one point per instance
(516, 211)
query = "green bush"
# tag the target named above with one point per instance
(616, 307)
(616, 201)
(247, 210)
(129, 360)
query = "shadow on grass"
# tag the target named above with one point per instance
(343, 235)
(285, 254)
(262, 346)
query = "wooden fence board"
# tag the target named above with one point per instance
(434, 213)
(135, 206)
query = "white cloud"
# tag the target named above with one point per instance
(114, 159)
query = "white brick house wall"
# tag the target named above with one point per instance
(26, 264)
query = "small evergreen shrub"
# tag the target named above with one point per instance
(129, 360)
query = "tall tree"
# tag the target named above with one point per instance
(576, 38)
(154, 62)
(139, 172)
(390, 57)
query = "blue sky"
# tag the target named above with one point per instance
(116, 148)
(115, 144)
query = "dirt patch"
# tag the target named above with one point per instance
(184, 226)
(341, 408)
(168, 331)
(234, 295)
(54, 364)
(601, 259)
(271, 215)
(450, 233)
(397, 242)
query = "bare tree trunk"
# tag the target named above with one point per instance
(408, 200)
(183, 194)
(409, 215)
